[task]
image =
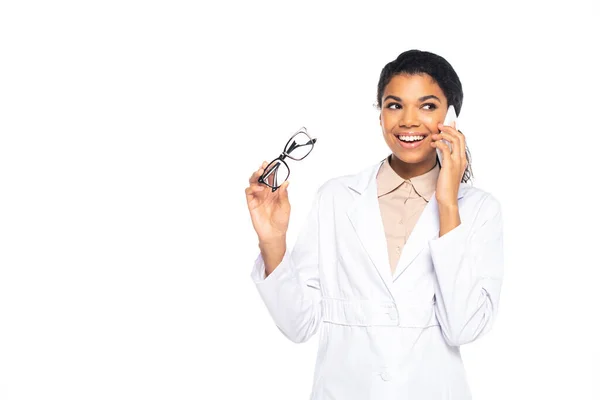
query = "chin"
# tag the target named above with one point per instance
(423, 154)
(412, 157)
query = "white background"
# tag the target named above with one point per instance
(129, 130)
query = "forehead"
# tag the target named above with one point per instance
(413, 86)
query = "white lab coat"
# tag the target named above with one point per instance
(382, 336)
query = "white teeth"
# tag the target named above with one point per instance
(411, 138)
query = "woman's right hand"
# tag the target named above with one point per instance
(270, 211)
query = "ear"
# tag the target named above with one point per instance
(380, 119)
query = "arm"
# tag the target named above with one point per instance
(288, 282)
(468, 263)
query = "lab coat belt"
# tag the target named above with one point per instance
(377, 313)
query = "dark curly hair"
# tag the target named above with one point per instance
(417, 62)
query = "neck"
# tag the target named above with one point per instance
(408, 170)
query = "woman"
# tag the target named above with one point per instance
(393, 309)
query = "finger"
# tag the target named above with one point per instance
(254, 177)
(447, 136)
(455, 138)
(448, 129)
(443, 147)
(283, 191)
(251, 196)
(254, 189)
(463, 144)
(454, 142)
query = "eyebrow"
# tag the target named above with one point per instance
(421, 99)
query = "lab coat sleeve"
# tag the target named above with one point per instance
(468, 263)
(292, 292)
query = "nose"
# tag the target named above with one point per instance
(409, 118)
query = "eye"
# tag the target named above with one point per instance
(393, 106)
(430, 105)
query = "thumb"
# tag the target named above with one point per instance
(283, 191)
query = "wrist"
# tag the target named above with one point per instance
(271, 241)
(273, 251)
(448, 207)
(449, 217)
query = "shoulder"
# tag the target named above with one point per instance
(480, 202)
(350, 183)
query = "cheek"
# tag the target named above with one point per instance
(431, 121)
(387, 122)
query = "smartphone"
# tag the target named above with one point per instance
(450, 117)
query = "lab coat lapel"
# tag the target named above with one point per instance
(365, 216)
(426, 229)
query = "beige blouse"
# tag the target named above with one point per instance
(401, 202)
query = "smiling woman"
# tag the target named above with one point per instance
(398, 265)
(413, 94)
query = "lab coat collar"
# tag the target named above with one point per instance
(365, 216)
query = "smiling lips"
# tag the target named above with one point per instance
(410, 140)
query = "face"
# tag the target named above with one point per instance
(411, 108)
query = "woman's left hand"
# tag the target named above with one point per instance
(453, 164)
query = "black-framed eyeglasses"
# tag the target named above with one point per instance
(297, 148)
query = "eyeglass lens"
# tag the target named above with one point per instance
(276, 173)
(299, 146)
